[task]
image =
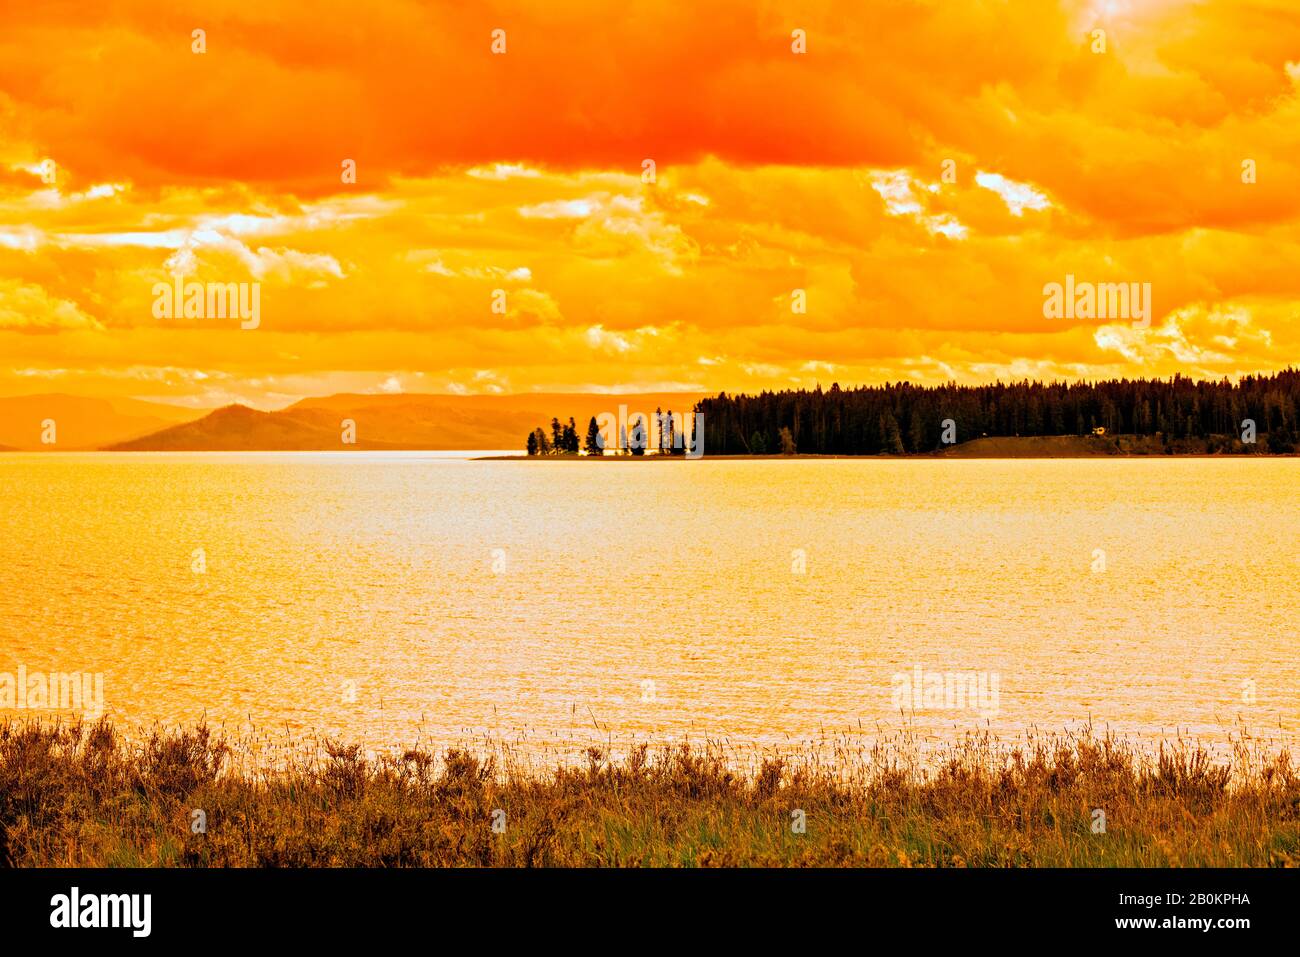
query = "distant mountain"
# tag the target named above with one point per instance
(237, 428)
(83, 423)
(424, 422)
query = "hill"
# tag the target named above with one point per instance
(391, 422)
(83, 423)
(1038, 447)
(237, 428)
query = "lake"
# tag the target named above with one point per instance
(385, 598)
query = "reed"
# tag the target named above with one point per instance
(84, 795)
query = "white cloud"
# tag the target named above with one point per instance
(1017, 196)
(598, 338)
(896, 188)
(504, 171)
(559, 209)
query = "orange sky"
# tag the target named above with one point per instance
(522, 172)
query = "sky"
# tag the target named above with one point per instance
(852, 192)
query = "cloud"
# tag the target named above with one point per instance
(29, 308)
(1202, 339)
(1017, 196)
(921, 191)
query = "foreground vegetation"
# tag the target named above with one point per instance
(80, 795)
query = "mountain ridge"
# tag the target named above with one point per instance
(82, 422)
(406, 421)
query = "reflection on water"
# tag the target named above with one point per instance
(384, 597)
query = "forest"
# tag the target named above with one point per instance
(899, 418)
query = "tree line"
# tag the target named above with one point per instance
(563, 439)
(641, 433)
(900, 417)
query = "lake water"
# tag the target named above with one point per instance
(389, 598)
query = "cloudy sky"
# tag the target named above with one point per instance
(126, 157)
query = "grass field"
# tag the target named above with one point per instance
(81, 795)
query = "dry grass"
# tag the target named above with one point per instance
(81, 795)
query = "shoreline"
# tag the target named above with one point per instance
(994, 447)
(985, 447)
(877, 456)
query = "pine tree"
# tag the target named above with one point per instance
(594, 445)
(674, 442)
(890, 439)
(569, 439)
